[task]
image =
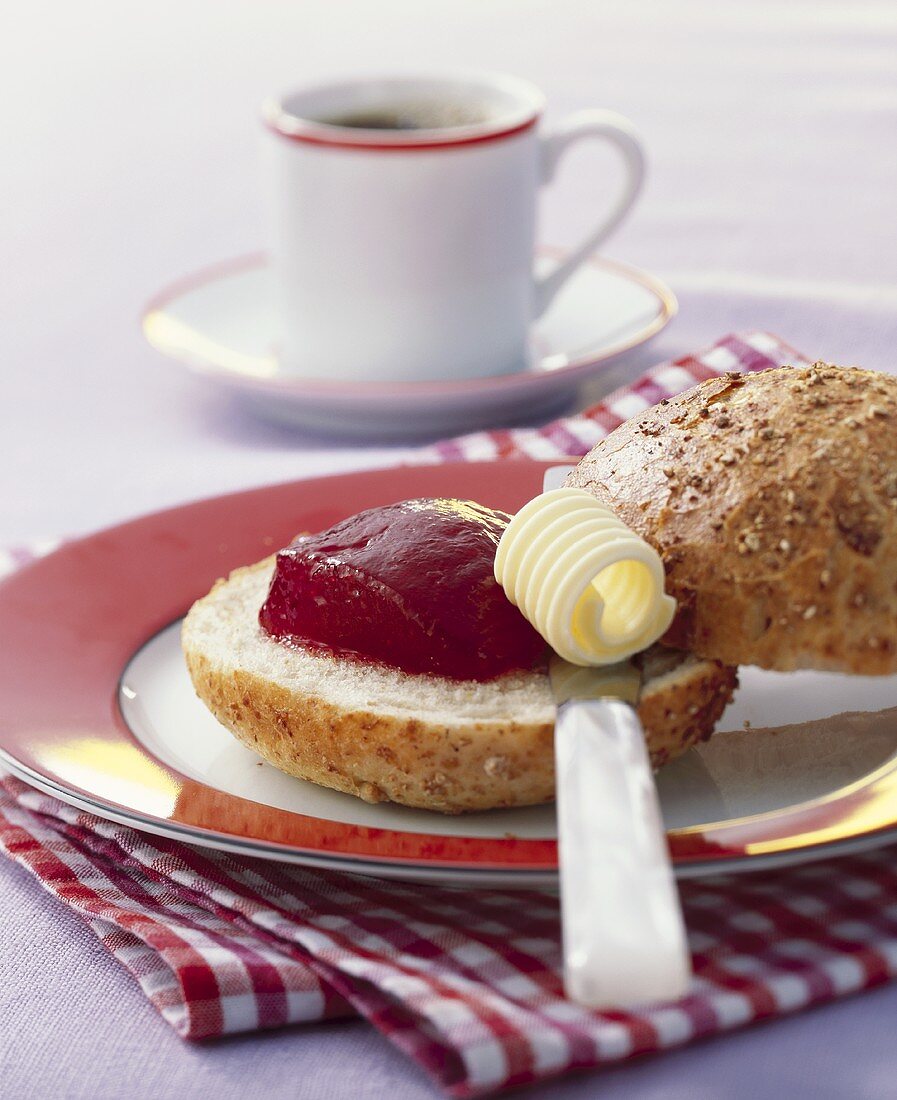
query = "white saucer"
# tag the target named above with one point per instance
(223, 325)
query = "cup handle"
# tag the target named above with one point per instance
(611, 127)
(623, 933)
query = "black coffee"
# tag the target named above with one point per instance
(412, 116)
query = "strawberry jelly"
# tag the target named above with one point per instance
(409, 585)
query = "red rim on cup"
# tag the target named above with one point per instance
(509, 106)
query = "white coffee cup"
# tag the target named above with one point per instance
(407, 253)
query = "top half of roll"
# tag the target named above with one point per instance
(772, 499)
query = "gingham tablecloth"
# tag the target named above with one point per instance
(467, 984)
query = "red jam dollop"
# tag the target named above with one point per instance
(409, 585)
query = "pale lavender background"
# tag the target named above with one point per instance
(128, 159)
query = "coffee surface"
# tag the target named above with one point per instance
(408, 116)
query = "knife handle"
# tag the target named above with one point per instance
(624, 937)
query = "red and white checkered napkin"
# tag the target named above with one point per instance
(467, 983)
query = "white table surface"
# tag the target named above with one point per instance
(129, 159)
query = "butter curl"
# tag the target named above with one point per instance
(590, 585)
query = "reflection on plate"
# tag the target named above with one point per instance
(122, 734)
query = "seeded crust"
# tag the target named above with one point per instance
(772, 498)
(421, 741)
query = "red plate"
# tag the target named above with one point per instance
(72, 622)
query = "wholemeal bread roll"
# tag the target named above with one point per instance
(419, 740)
(772, 499)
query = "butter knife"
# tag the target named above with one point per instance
(623, 933)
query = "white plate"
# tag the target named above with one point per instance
(121, 733)
(223, 325)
